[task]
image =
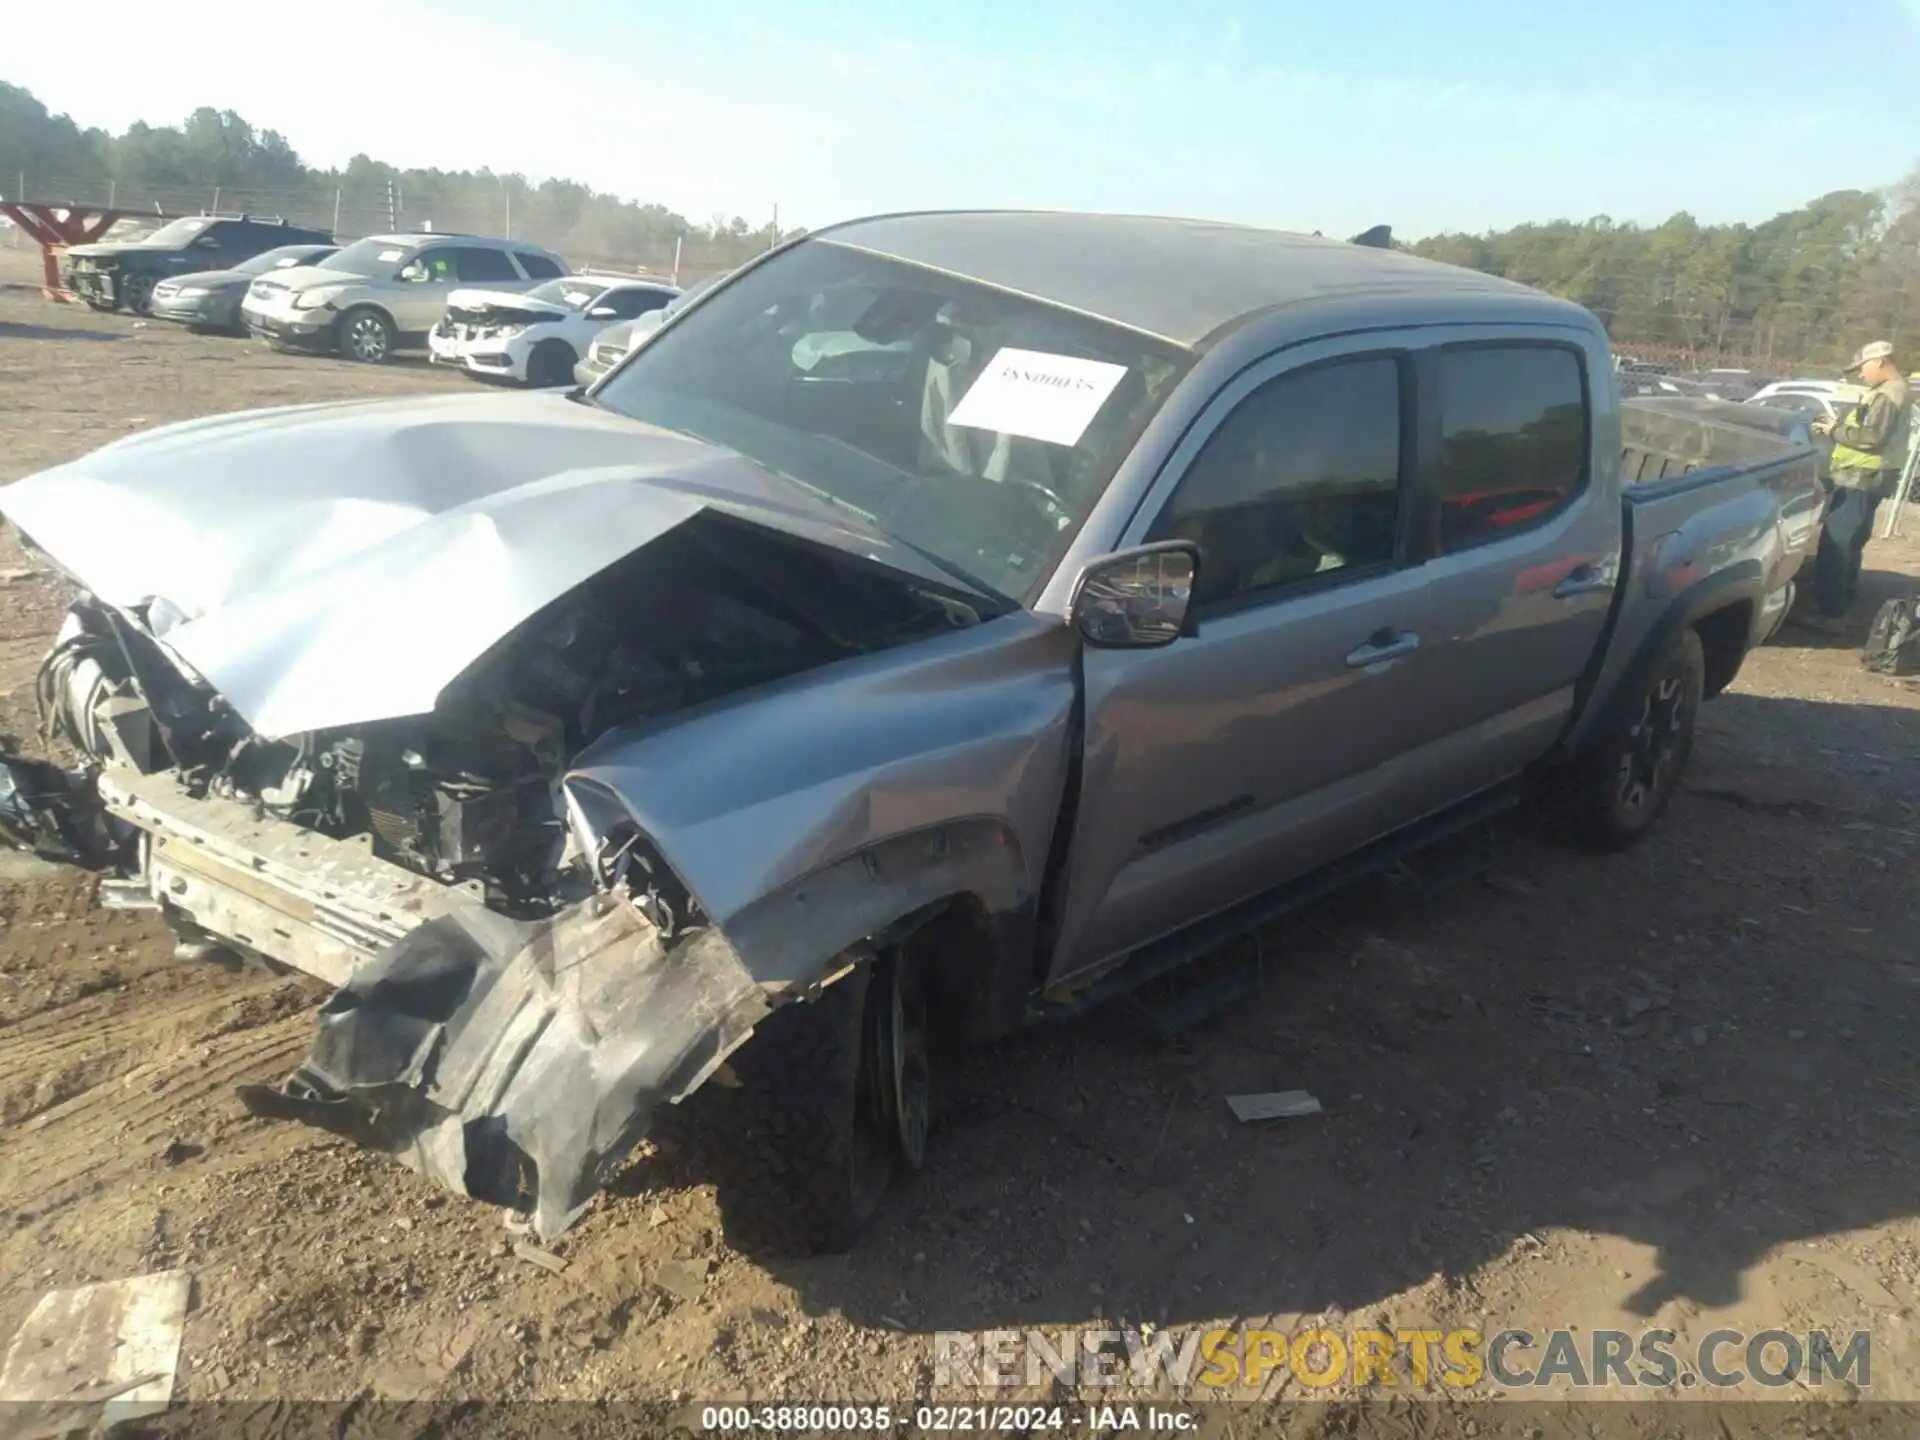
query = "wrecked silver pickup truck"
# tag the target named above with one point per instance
(944, 622)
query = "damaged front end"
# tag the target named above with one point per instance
(518, 988)
(519, 1063)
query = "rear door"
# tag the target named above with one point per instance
(1526, 547)
(1254, 750)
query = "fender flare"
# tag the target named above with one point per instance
(789, 939)
(1740, 583)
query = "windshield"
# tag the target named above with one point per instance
(570, 291)
(372, 256)
(280, 259)
(978, 427)
(178, 232)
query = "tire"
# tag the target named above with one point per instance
(551, 363)
(105, 307)
(136, 293)
(1625, 782)
(366, 336)
(805, 1146)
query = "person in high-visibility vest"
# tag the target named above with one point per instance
(1870, 444)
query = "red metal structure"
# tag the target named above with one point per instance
(57, 227)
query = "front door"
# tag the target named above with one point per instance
(1254, 750)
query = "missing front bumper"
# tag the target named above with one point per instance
(516, 1062)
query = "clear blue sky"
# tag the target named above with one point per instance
(1427, 116)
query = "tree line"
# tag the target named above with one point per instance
(217, 160)
(1802, 290)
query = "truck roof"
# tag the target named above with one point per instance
(1180, 280)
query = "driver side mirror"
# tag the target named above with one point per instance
(1137, 599)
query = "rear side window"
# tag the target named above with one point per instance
(1513, 439)
(1300, 482)
(632, 304)
(538, 267)
(483, 265)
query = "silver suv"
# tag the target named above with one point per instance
(384, 293)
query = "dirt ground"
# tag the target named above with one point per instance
(1673, 1088)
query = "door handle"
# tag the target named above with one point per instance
(1383, 645)
(1583, 580)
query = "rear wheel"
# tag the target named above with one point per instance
(136, 293)
(103, 306)
(366, 336)
(1622, 786)
(551, 363)
(833, 1096)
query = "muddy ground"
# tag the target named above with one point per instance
(1674, 1088)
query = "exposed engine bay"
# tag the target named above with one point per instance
(468, 795)
(486, 319)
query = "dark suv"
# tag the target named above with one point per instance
(121, 274)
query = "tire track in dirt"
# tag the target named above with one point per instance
(51, 1056)
(103, 1129)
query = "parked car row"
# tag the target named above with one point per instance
(498, 309)
(123, 274)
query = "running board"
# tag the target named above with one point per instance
(1167, 955)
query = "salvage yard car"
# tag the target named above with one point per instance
(616, 342)
(121, 274)
(536, 338)
(384, 293)
(210, 299)
(943, 623)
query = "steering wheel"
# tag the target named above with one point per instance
(1034, 487)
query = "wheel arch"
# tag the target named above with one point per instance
(1725, 603)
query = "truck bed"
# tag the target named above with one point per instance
(1706, 494)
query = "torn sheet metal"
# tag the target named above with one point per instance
(331, 565)
(97, 1355)
(517, 1062)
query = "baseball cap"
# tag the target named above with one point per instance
(1875, 350)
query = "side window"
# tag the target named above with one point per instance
(538, 267)
(1301, 480)
(1513, 439)
(483, 265)
(632, 304)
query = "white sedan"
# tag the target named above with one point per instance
(534, 338)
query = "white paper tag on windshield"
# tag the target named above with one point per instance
(387, 256)
(1036, 395)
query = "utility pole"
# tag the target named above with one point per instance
(216, 201)
(506, 190)
(336, 211)
(774, 238)
(678, 240)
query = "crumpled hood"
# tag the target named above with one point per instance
(111, 249)
(504, 300)
(335, 564)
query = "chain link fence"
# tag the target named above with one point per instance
(591, 231)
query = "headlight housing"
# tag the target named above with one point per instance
(190, 292)
(313, 299)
